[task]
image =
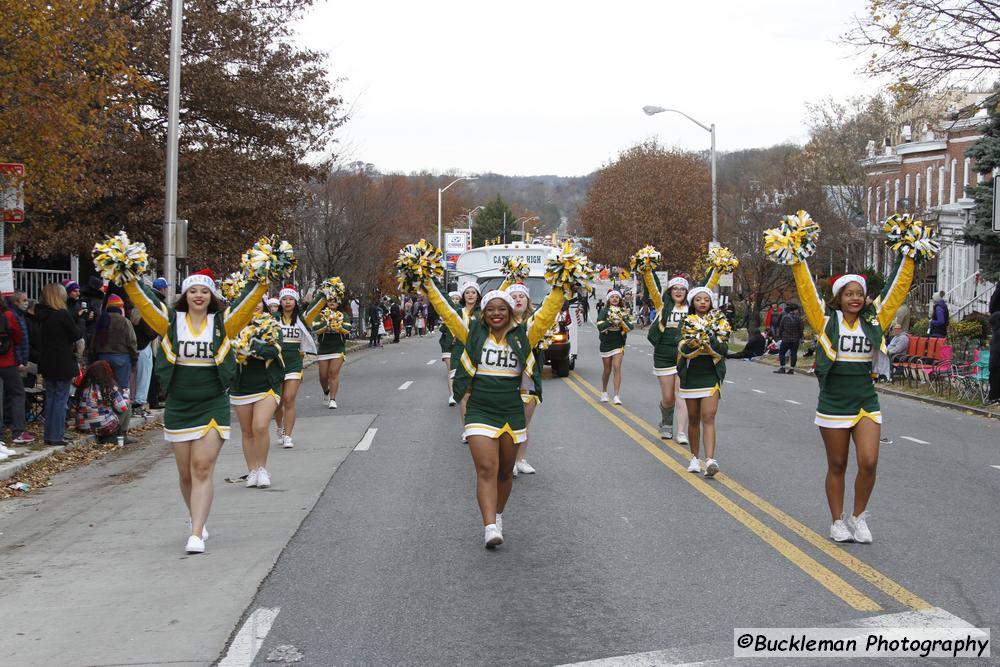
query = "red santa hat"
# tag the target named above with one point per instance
(204, 278)
(289, 290)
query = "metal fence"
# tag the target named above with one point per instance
(31, 281)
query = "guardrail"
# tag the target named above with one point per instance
(31, 281)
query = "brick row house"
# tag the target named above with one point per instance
(925, 173)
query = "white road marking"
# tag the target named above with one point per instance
(759, 391)
(729, 382)
(788, 400)
(250, 637)
(916, 440)
(366, 442)
(432, 362)
(997, 467)
(405, 385)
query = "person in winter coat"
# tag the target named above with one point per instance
(375, 315)
(939, 318)
(12, 353)
(397, 319)
(790, 330)
(61, 339)
(755, 347)
(771, 319)
(114, 341)
(101, 407)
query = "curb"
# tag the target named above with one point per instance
(11, 469)
(941, 403)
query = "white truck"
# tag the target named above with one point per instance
(484, 265)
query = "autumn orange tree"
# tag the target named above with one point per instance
(650, 195)
(64, 74)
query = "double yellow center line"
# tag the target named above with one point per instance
(822, 574)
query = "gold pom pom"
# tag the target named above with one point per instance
(120, 261)
(232, 286)
(416, 264)
(331, 321)
(269, 260)
(647, 259)
(570, 272)
(515, 270)
(333, 290)
(263, 328)
(722, 260)
(793, 240)
(912, 238)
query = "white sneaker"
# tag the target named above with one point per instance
(4, 449)
(492, 536)
(682, 439)
(604, 397)
(252, 478)
(204, 530)
(500, 521)
(452, 402)
(839, 532)
(332, 405)
(858, 526)
(617, 400)
(263, 479)
(666, 431)
(286, 442)
(195, 545)
(4, 456)
(711, 467)
(695, 465)
(515, 471)
(524, 467)
(280, 431)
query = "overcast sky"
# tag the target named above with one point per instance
(557, 87)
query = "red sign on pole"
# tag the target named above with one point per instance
(11, 192)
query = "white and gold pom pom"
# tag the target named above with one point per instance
(331, 321)
(515, 270)
(793, 240)
(232, 286)
(416, 265)
(719, 325)
(615, 316)
(119, 260)
(646, 259)
(570, 272)
(911, 238)
(722, 260)
(333, 290)
(264, 328)
(697, 329)
(269, 260)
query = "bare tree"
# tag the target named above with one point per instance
(924, 44)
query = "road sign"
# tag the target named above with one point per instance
(996, 209)
(11, 192)
(450, 260)
(6, 275)
(454, 242)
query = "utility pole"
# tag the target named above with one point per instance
(173, 104)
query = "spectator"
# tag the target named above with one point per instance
(729, 310)
(771, 319)
(903, 316)
(144, 338)
(61, 338)
(994, 394)
(939, 318)
(899, 344)
(396, 315)
(355, 311)
(771, 345)
(790, 330)
(408, 317)
(34, 342)
(90, 302)
(13, 350)
(101, 406)
(754, 348)
(375, 324)
(114, 341)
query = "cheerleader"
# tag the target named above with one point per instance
(523, 312)
(851, 340)
(257, 391)
(467, 311)
(296, 342)
(496, 356)
(613, 323)
(272, 305)
(665, 334)
(701, 368)
(447, 341)
(331, 331)
(196, 368)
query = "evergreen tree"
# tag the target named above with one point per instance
(986, 153)
(489, 223)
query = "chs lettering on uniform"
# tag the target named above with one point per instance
(192, 349)
(855, 344)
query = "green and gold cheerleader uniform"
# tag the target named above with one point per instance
(494, 370)
(701, 370)
(195, 368)
(844, 354)
(330, 344)
(612, 339)
(260, 376)
(446, 341)
(467, 317)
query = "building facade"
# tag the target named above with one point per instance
(925, 174)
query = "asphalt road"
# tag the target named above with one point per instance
(612, 550)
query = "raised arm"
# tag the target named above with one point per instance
(545, 316)
(241, 311)
(445, 309)
(895, 291)
(812, 303)
(153, 311)
(649, 279)
(317, 306)
(713, 278)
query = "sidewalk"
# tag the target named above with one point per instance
(95, 572)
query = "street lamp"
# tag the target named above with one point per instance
(524, 222)
(649, 111)
(472, 212)
(440, 191)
